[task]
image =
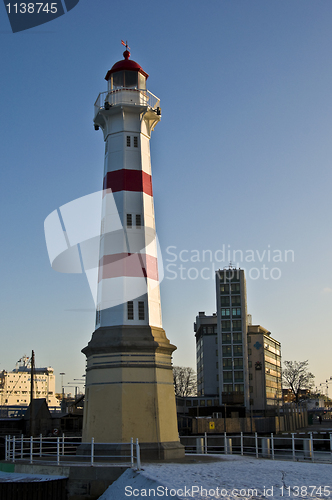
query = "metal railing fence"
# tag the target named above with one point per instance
(62, 450)
(297, 447)
(126, 96)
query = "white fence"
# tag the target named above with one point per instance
(62, 450)
(300, 446)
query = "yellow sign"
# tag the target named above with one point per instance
(211, 426)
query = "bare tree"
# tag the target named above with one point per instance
(297, 377)
(184, 379)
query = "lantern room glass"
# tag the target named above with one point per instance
(127, 80)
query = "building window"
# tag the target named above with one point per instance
(141, 311)
(226, 350)
(227, 376)
(225, 313)
(250, 376)
(235, 287)
(236, 300)
(128, 141)
(130, 309)
(237, 338)
(238, 363)
(129, 220)
(225, 326)
(237, 350)
(238, 376)
(237, 325)
(239, 388)
(226, 338)
(224, 289)
(97, 317)
(138, 220)
(135, 141)
(227, 388)
(236, 312)
(224, 300)
(227, 363)
(216, 352)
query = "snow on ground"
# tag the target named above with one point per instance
(228, 478)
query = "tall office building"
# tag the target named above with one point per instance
(232, 337)
(237, 362)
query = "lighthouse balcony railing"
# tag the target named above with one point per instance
(134, 97)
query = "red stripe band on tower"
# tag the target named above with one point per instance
(128, 180)
(136, 265)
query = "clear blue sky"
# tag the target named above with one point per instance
(242, 157)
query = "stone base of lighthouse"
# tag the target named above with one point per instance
(130, 392)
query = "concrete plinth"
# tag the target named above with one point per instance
(130, 392)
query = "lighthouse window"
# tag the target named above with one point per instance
(130, 78)
(129, 220)
(138, 220)
(141, 311)
(130, 309)
(128, 141)
(118, 79)
(135, 141)
(141, 82)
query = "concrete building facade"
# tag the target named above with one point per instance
(264, 358)
(15, 386)
(207, 354)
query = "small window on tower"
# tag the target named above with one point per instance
(129, 220)
(141, 311)
(97, 317)
(138, 220)
(135, 141)
(130, 309)
(128, 141)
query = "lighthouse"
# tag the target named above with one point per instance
(129, 379)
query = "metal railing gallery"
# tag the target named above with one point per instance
(297, 446)
(62, 450)
(142, 97)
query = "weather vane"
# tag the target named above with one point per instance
(125, 44)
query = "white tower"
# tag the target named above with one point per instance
(129, 382)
